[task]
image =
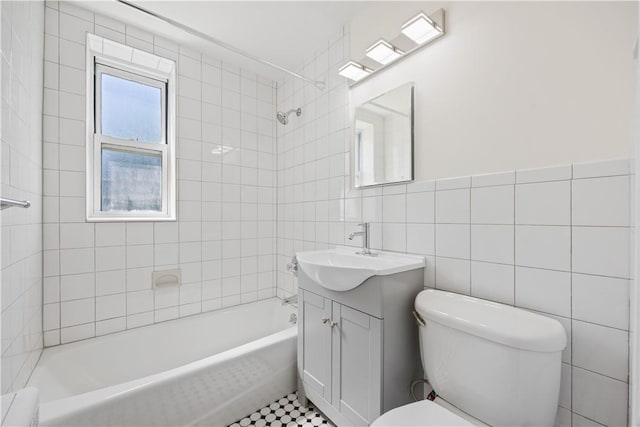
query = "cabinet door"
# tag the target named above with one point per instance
(314, 343)
(357, 365)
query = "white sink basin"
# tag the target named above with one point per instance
(341, 269)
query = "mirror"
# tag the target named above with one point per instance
(383, 139)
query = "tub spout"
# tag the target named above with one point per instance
(291, 300)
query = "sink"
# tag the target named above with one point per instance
(342, 269)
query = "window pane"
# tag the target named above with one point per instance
(131, 110)
(131, 181)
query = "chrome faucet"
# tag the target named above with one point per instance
(365, 239)
(293, 300)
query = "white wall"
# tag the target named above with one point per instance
(21, 178)
(98, 276)
(512, 84)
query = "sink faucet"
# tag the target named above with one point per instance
(365, 239)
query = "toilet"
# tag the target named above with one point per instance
(488, 363)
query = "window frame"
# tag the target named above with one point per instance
(120, 61)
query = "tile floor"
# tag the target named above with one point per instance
(285, 412)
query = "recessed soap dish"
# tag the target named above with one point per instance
(166, 278)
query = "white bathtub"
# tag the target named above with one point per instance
(210, 369)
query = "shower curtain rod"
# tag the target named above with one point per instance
(317, 83)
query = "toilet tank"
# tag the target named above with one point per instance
(497, 363)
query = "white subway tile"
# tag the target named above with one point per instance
(580, 421)
(394, 237)
(492, 205)
(110, 258)
(453, 206)
(78, 235)
(421, 239)
(77, 333)
(111, 282)
(544, 290)
(601, 300)
(77, 312)
(110, 234)
(77, 286)
(51, 316)
(139, 278)
(453, 240)
(139, 301)
(492, 179)
(139, 233)
(453, 183)
(110, 326)
(453, 275)
(601, 168)
(394, 208)
(421, 186)
(601, 250)
(494, 282)
(421, 207)
(74, 261)
(601, 201)
(601, 349)
(139, 319)
(51, 338)
(565, 386)
(543, 247)
(492, 243)
(547, 203)
(599, 398)
(139, 256)
(110, 306)
(553, 173)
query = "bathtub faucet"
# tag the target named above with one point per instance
(293, 299)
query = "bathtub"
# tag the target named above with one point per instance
(211, 369)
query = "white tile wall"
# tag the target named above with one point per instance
(21, 230)
(98, 276)
(554, 240)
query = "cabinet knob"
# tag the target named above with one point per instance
(326, 320)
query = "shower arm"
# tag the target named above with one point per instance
(298, 111)
(319, 84)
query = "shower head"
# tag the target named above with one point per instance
(284, 117)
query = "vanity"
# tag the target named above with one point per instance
(357, 339)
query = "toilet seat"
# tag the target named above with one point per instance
(423, 413)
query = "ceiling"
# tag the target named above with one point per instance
(283, 32)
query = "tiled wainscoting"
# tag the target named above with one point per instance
(98, 276)
(21, 178)
(553, 240)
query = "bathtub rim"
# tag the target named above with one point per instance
(59, 408)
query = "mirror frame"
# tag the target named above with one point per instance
(353, 141)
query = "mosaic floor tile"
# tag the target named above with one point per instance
(285, 412)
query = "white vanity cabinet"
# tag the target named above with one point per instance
(358, 350)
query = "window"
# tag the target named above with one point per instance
(131, 134)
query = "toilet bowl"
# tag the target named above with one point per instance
(488, 363)
(426, 413)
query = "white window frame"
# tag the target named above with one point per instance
(107, 57)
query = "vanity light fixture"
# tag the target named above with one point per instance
(383, 52)
(354, 71)
(421, 28)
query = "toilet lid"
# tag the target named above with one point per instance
(424, 413)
